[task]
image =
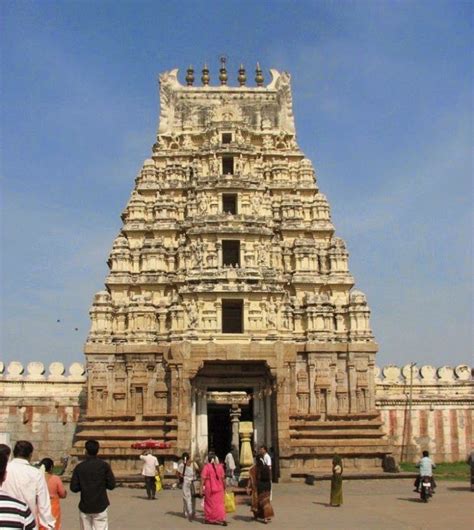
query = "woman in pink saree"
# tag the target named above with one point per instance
(213, 487)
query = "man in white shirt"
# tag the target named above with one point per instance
(267, 460)
(230, 467)
(28, 484)
(150, 463)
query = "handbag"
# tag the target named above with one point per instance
(229, 501)
(159, 485)
(196, 488)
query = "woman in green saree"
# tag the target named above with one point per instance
(336, 481)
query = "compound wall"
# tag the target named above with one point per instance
(422, 408)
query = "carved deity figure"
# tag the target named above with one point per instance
(255, 204)
(214, 140)
(271, 313)
(239, 138)
(214, 166)
(192, 313)
(203, 203)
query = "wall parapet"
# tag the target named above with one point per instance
(423, 407)
(424, 375)
(36, 371)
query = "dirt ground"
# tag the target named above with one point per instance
(368, 504)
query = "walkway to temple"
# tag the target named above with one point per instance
(368, 504)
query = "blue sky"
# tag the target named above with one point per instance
(382, 95)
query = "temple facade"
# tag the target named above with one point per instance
(229, 313)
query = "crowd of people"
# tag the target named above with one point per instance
(30, 495)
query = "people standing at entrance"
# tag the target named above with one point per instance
(265, 455)
(14, 513)
(259, 487)
(336, 481)
(56, 491)
(187, 470)
(150, 463)
(267, 460)
(213, 488)
(93, 477)
(230, 467)
(28, 484)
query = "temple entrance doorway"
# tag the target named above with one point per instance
(219, 429)
(225, 410)
(229, 398)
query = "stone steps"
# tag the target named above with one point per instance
(362, 442)
(132, 436)
(329, 434)
(319, 424)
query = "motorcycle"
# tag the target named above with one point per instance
(426, 490)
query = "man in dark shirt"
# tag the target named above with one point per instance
(93, 477)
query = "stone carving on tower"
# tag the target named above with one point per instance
(228, 252)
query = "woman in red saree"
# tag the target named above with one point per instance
(213, 488)
(56, 491)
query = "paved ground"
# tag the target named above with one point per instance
(368, 505)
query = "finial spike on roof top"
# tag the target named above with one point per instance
(205, 75)
(223, 70)
(242, 78)
(259, 75)
(190, 75)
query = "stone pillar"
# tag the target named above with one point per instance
(202, 438)
(246, 456)
(268, 421)
(351, 383)
(312, 395)
(109, 408)
(292, 374)
(235, 413)
(371, 384)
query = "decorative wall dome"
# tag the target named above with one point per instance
(339, 243)
(121, 242)
(102, 297)
(358, 297)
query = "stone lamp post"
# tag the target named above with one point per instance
(246, 455)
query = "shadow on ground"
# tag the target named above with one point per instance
(245, 518)
(408, 499)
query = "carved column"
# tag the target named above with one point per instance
(312, 395)
(352, 382)
(110, 385)
(235, 413)
(371, 384)
(292, 373)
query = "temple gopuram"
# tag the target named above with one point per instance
(230, 315)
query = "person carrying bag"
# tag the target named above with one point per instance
(229, 501)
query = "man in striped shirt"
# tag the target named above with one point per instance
(13, 513)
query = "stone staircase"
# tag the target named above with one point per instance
(116, 435)
(359, 439)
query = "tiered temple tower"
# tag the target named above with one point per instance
(229, 298)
